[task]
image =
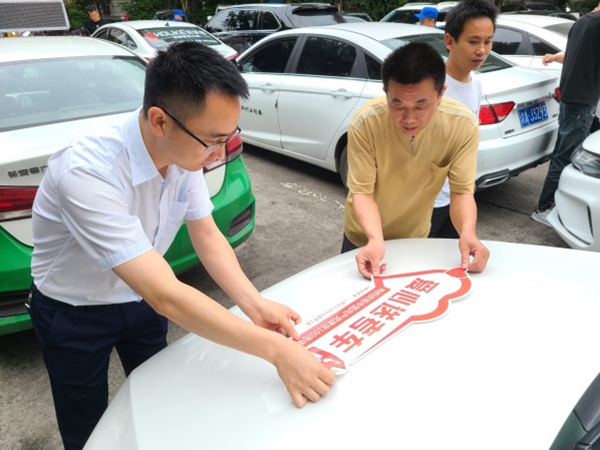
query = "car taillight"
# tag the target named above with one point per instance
(232, 57)
(16, 202)
(233, 149)
(557, 94)
(489, 114)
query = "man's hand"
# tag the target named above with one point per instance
(369, 259)
(305, 378)
(553, 57)
(470, 246)
(274, 316)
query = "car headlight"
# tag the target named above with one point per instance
(587, 162)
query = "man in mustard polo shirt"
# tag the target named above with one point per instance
(401, 147)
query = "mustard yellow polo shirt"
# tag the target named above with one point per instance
(405, 174)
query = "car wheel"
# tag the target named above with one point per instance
(344, 166)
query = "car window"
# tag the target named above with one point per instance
(271, 58)
(220, 22)
(543, 7)
(511, 8)
(491, 64)
(268, 21)
(161, 38)
(373, 68)
(50, 91)
(509, 42)
(307, 17)
(103, 34)
(401, 17)
(326, 57)
(120, 37)
(242, 20)
(540, 48)
(234, 20)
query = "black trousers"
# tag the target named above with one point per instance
(76, 343)
(441, 225)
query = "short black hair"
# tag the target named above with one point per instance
(92, 8)
(465, 10)
(179, 78)
(413, 63)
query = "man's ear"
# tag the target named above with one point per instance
(156, 121)
(448, 41)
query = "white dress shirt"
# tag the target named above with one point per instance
(101, 203)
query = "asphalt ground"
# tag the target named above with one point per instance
(299, 212)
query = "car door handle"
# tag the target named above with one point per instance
(268, 87)
(342, 93)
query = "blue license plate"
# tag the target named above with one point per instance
(533, 114)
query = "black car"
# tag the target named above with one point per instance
(240, 26)
(536, 8)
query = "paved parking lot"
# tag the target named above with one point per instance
(298, 223)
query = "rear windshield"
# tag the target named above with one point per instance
(561, 28)
(492, 63)
(308, 17)
(49, 91)
(161, 38)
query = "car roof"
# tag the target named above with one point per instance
(140, 24)
(375, 30)
(45, 47)
(414, 6)
(540, 21)
(270, 5)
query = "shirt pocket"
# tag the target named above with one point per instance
(435, 176)
(172, 224)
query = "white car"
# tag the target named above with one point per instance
(576, 216)
(146, 37)
(504, 368)
(53, 90)
(525, 39)
(307, 83)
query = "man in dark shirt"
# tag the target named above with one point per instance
(95, 21)
(580, 93)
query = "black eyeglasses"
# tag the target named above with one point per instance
(208, 148)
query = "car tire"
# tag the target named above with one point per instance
(344, 166)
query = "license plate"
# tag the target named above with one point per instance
(533, 114)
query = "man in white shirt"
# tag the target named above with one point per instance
(107, 210)
(470, 28)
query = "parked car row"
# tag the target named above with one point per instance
(306, 84)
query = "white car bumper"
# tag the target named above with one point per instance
(577, 211)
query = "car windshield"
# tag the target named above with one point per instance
(161, 38)
(561, 28)
(492, 63)
(46, 91)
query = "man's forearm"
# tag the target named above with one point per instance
(367, 216)
(463, 212)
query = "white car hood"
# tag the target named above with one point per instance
(502, 369)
